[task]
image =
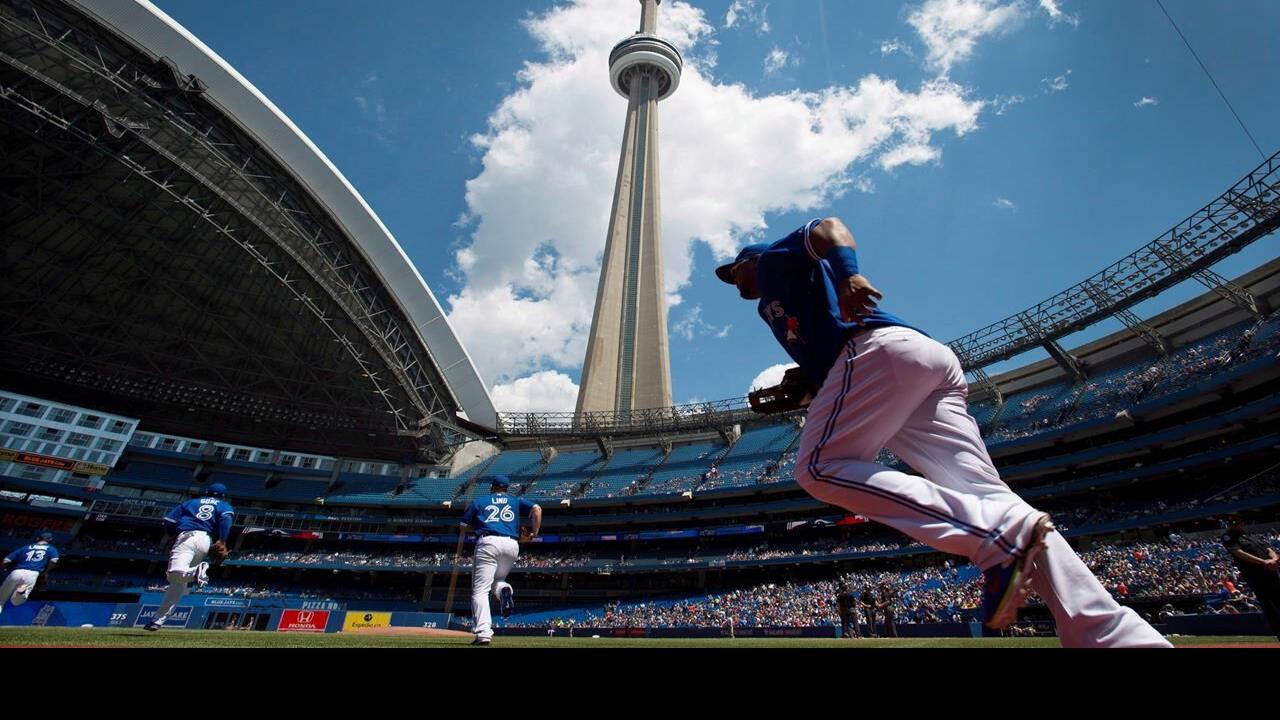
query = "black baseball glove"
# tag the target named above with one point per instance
(795, 392)
(218, 552)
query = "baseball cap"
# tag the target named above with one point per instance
(725, 272)
(45, 535)
(501, 481)
(217, 490)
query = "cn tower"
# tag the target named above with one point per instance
(628, 366)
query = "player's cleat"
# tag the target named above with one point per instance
(1005, 587)
(508, 601)
(153, 626)
(202, 575)
(482, 642)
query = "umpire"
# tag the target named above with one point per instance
(847, 604)
(1258, 565)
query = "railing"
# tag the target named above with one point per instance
(682, 418)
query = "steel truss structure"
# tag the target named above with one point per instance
(1247, 212)
(158, 260)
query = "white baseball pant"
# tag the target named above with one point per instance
(188, 551)
(494, 557)
(896, 388)
(17, 587)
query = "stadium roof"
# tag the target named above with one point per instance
(177, 250)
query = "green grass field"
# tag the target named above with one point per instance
(117, 637)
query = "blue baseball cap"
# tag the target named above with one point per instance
(501, 481)
(217, 490)
(45, 535)
(725, 272)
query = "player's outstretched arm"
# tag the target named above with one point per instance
(536, 520)
(833, 242)
(1251, 559)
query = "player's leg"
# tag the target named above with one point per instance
(180, 573)
(943, 441)
(869, 395)
(508, 551)
(8, 587)
(482, 572)
(26, 583)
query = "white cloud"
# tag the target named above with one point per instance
(1005, 204)
(539, 208)
(777, 59)
(692, 325)
(1057, 84)
(1056, 15)
(951, 29)
(1003, 103)
(373, 111)
(541, 392)
(889, 47)
(1145, 101)
(770, 377)
(748, 12)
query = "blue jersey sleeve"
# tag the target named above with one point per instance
(13, 556)
(469, 515)
(171, 517)
(225, 517)
(795, 251)
(53, 554)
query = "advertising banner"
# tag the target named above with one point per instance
(311, 621)
(358, 620)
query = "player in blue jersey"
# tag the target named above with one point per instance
(881, 383)
(202, 524)
(26, 566)
(495, 518)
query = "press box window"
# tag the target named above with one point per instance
(19, 429)
(30, 409)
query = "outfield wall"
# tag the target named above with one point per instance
(324, 616)
(196, 612)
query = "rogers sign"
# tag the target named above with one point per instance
(313, 621)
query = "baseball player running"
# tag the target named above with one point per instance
(203, 525)
(29, 563)
(875, 382)
(496, 520)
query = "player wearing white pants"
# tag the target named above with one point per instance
(200, 524)
(899, 389)
(28, 562)
(186, 563)
(17, 587)
(494, 558)
(496, 520)
(884, 384)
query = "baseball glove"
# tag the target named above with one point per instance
(218, 552)
(795, 392)
(526, 535)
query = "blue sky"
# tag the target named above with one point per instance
(986, 153)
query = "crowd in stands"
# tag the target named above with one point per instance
(817, 548)
(1181, 369)
(1175, 568)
